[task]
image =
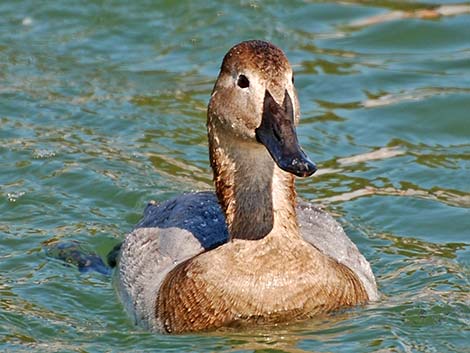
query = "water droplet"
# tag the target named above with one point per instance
(27, 21)
(14, 196)
(43, 154)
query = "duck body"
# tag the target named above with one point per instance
(166, 238)
(250, 253)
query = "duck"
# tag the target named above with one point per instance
(251, 253)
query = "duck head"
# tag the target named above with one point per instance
(254, 100)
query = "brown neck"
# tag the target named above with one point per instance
(258, 199)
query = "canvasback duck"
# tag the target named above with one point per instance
(250, 253)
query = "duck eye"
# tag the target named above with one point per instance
(243, 81)
(293, 81)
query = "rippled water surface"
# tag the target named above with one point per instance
(102, 108)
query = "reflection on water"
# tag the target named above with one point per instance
(102, 108)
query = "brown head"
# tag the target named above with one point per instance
(254, 100)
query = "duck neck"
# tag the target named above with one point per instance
(257, 197)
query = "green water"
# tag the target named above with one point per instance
(102, 108)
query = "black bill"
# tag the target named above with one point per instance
(277, 133)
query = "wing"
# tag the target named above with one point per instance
(168, 234)
(198, 213)
(326, 234)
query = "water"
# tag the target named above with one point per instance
(102, 108)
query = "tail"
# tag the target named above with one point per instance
(73, 253)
